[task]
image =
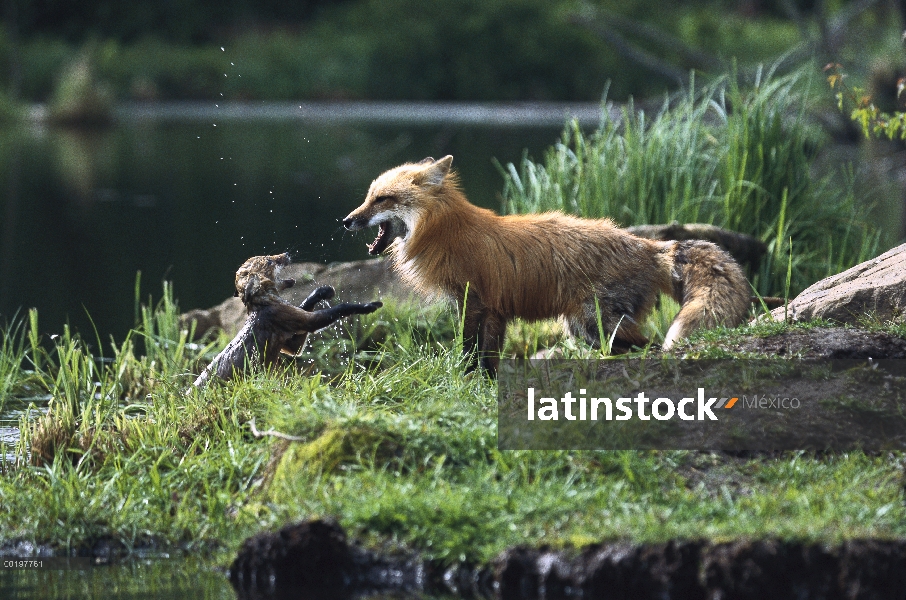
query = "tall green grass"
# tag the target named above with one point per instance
(740, 157)
(13, 349)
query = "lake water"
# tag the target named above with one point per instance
(188, 192)
(152, 578)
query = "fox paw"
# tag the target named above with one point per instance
(325, 292)
(373, 306)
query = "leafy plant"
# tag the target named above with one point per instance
(863, 111)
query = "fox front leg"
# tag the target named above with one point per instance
(475, 315)
(325, 292)
(293, 346)
(319, 319)
(490, 343)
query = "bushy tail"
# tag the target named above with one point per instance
(710, 286)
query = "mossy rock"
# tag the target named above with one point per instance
(335, 447)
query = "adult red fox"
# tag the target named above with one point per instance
(541, 266)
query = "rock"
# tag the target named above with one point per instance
(876, 287)
(356, 281)
(311, 558)
(819, 342)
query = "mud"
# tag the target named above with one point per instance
(315, 560)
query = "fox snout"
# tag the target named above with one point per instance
(352, 223)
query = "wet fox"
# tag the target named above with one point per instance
(274, 325)
(541, 266)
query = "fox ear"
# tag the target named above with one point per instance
(425, 161)
(434, 174)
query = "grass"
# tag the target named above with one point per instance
(738, 157)
(398, 444)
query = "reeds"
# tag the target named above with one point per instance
(734, 156)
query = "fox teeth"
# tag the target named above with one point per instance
(380, 236)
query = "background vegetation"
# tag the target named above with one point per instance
(405, 49)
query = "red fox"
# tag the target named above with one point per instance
(273, 324)
(541, 265)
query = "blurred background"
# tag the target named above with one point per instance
(122, 148)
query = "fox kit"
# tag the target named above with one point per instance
(541, 266)
(273, 324)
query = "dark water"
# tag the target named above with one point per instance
(153, 579)
(83, 210)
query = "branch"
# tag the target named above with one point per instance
(696, 57)
(623, 47)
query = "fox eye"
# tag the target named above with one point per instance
(380, 199)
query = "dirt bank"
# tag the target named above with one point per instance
(315, 559)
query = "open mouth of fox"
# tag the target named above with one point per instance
(388, 231)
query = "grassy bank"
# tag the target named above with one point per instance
(397, 444)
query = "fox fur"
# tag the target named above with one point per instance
(541, 266)
(273, 325)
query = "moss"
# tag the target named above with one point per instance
(333, 449)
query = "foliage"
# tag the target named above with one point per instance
(872, 120)
(393, 49)
(185, 21)
(737, 157)
(79, 97)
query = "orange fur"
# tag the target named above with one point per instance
(542, 265)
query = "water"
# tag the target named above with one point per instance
(158, 578)
(188, 195)
(11, 413)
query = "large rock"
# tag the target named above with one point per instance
(876, 287)
(357, 281)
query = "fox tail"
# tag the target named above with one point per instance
(710, 287)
